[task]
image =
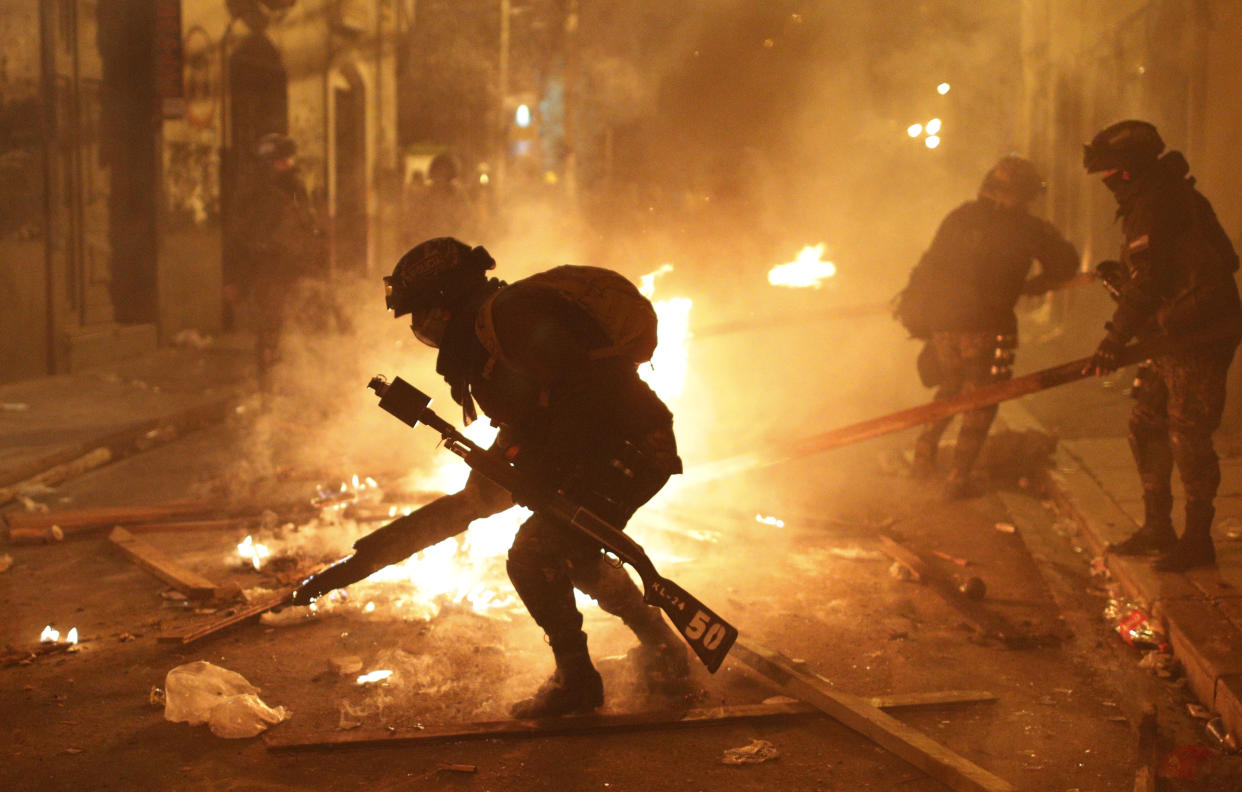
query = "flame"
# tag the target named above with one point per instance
(253, 552)
(769, 520)
(807, 270)
(49, 635)
(646, 283)
(72, 637)
(374, 676)
(666, 373)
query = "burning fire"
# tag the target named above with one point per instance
(666, 373)
(253, 552)
(52, 635)
(374, 676)
(773, 521)
(807, 270)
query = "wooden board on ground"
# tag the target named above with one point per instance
(234, 616)
(190, 583)
(918, 749)
(582, 724)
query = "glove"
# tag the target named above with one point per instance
(1107, 357)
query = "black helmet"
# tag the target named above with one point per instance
(436, 273)
(1012, 179)
(443, 168)
(275, 146)
(1126, 145)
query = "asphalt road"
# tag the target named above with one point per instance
(817, 589)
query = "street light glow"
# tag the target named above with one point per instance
(914, 130)
(943, 88)
(931, 141)
(933, 126)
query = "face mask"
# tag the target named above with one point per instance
(1117, 182)
(428, 326)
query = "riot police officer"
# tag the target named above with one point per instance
(536, 366)
(961, 296)
(1177, 282)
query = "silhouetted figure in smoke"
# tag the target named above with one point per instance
(442, 207)
(281, 242)
(961, 296)
(1175, 278)
(569, 402)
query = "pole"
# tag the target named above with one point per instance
(926, 413)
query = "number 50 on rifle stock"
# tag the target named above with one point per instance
(708, 635)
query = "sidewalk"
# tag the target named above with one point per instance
(58, 426)
(1095, 482)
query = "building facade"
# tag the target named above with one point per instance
(128, 126)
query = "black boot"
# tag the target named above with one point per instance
(574, 688)
(1195, 548)
(1156, 535)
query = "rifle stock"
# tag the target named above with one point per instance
(706, 632)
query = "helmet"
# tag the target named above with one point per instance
(436, 273)
(275, 146)
(443, 168)
(1126, 145)
(1012, 179)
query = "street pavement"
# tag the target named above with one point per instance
(129, 406)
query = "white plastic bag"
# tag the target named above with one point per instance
(200, 692)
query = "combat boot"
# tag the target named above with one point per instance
(574, 688)
(1156, 535)
(1194, 549)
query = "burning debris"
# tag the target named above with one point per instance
(807, 270)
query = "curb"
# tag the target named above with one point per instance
(1199, 615)
(132, 439)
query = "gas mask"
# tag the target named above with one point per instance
(428, 325)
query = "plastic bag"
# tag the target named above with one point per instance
(200, 692)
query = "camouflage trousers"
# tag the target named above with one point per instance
(967, 360)
(549, 558)
(1178, 402)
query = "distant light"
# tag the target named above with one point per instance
(374, 676)
(933, 126)
(943, 88)
(1142, 69)
(914, 130)
(483, 178)
(769, 43)
(522, 116)
(931, 141)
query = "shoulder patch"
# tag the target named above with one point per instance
(1139, 244)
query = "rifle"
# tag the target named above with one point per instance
(707, 633)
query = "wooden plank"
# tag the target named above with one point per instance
(192, 584)
(915, 747)
(583, 724)
(75, 520)
(232, 617)
(54, 475)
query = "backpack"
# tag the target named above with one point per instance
(622, 312)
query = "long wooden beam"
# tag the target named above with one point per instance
(918, 749)
(76, 520)
(190, 583)
(581, 724)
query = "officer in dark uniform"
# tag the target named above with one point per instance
(1177, 281)
(281, 242)
(565, 415)
(961, 298)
